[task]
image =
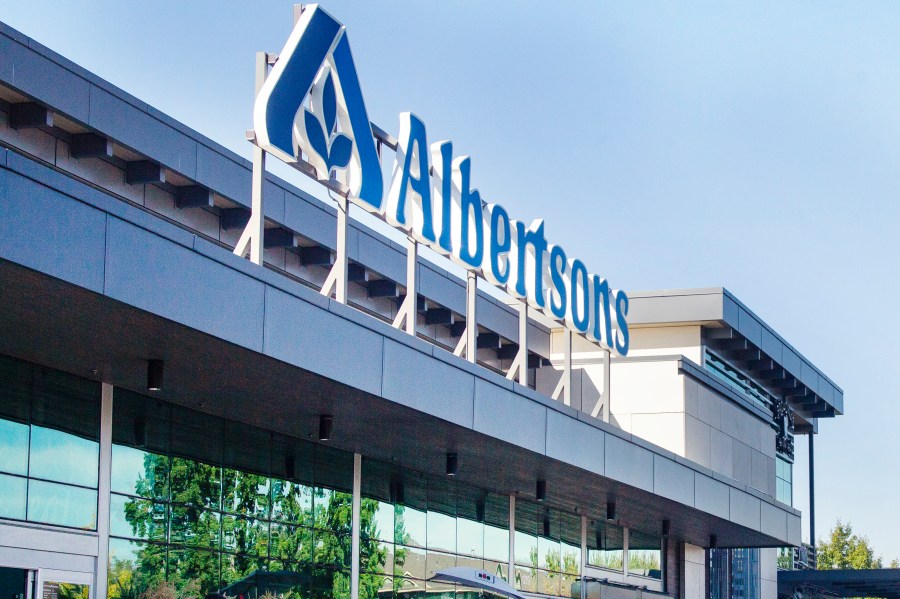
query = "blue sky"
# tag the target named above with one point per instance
(754, 146)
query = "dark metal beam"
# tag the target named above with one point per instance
(488, 341)
(315, 255)
(29, 115)
(439, 316)
(193, 196)
(382, 288)
(278, 238)
(90, 145)
(234, 218)
(138, 172)
(420, 302)
(458, 328)
(508, 351)
(356, 273)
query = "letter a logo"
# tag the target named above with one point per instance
(311, 105)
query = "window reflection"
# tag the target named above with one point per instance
(606, 547)
(13, 447)
(644, 551)
(52, 503)
(13, 491)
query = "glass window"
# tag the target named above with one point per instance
(63, 457)
(137, 518)
(13, 447)
(13, 493)
(138, 472)
(195, 483)
(606, 547)
(784, 481)
(52, 503)
(291, 502)
(644, 552)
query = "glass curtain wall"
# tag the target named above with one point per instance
(606, 547)
(644, 554)
(548, 549)
(190, 510)
(49, 446)
(414, 525)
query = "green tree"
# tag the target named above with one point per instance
(844, 550)
(895, 563)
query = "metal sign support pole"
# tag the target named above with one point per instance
(406, 315)
(336, 282)
(468, 343)
(520, 362)
(564, 387)
(252, 237)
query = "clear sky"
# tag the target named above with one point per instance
(754, 146)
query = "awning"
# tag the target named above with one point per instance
(476, 578)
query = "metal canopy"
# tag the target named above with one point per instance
(883, 583)
(479, 579)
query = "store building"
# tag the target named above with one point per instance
(170, 411)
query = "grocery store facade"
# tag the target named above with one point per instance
(171, 412)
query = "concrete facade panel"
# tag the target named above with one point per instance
(793, 529)
(47, 81)
(135, 128)
(300, 333)
(773, 521)
(741, 462)
(575, 442)
(672, 480)
(218, 172)
(50, 232)
(665, 430)
(505, 415)
(697, 441)
(628, 463)
(315, 223)
(162, 277)
(744, 509)
(721, 460)
(709, 407)
(711, 496)
(449, 394)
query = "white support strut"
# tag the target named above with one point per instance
(564, 387)
(252, 237)
(336, 282)
(519, 368)
(468, 343)
(406, 314)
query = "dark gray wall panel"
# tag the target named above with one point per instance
(502, 414)
(48, 231)
(300, 333)
(575, 442)
(744, 509)
(219, 172)
(672, 480)
(311, 221)
(448, 393)
(628, 463)
(711, 496)
(749, 327)
(127, 124)
(154, 274)
(47, 81)
(773, 521)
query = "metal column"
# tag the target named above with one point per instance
(103, 486)
(355, 528)
(812, 492)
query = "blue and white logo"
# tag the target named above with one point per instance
(311, 106)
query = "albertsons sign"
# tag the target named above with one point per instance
(311, 107)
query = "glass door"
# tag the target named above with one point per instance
(60, 584)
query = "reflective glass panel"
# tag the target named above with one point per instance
(137, 472)
(13, 447)
(195, 483)
(441, 531)
(291, 502)
(237, 567)
(438, 560)
(63, 457)
(13, 491)
(548, 582)
(290, 543)
(330, 584)
(605, 547)
(469, 537)
(134, 566)
(644, 554)
(376, 556)
(137, 518)
(526, 579)
(409, 562)
(410, 526)
(245, 494)
(52, 503)
(496, 543)
(378, 517)
(571, 558)
(548, 554)
(526, 549)
(248, 536)
(189, 525)
(193, 572)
